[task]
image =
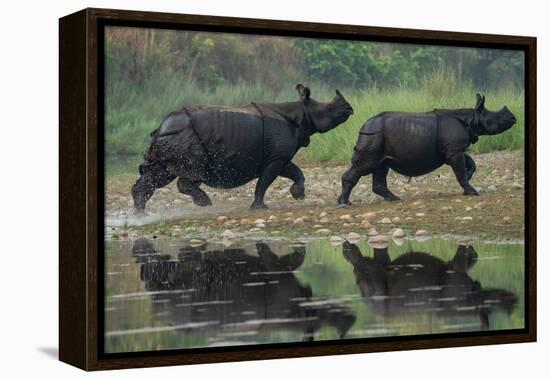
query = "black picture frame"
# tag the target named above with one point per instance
(81, 80)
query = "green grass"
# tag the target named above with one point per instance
(133, 111)
(338, 144)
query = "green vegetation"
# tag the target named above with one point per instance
(152, 72)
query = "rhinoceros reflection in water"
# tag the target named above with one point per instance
(419, 282)
(236, 291)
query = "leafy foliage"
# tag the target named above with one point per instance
(150, 72)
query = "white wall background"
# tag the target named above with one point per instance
(29, 177)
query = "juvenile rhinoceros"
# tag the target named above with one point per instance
(415, 144)
(419, 282)
(226, 147)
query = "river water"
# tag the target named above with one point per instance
(164, 294)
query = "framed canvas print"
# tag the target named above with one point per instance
(237, 189)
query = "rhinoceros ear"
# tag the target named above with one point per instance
(304, 92)
(480, 102)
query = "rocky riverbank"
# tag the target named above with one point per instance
(430, 205)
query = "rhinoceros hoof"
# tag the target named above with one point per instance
(471, 192)
(298, 192)
(257, 206)
(203, 202)
(138, 211)
(392, 198)
(343, 205)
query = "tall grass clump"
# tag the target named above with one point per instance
(133, 110)
(337, 145)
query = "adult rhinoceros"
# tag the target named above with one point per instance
(226, 147)
(415, 144)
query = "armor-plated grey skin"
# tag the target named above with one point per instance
(236, 289)
(417, 282)
(226, 147)
(414, 144)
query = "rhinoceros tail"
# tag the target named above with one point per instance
(149, 155)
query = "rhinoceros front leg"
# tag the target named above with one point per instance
(268, 175)
(458, 164)
(349, 180)
(293, 172)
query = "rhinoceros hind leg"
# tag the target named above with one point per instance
(380, 184)
(470, 166)
(153, 176)
(191, 188)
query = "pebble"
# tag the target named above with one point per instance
(372, 232)
(299, 221)
(378, 242)
(259, 221)
(324, 220)
(506, 218)
(245, 221)
(420, 214)
(260, 225)
(368, 215)
(196, 242)
(468, 209)
(346, 225)
(317, 226)
(365, 224)
(346, 218)
(396, 219)
(255, 230)
(222, 219)
(398, 241)
(467, 218)
(446, 209)
(228, 234)
(421, 232)
(492, 188)
(385, 220)
(398, 233)
(353, 236)
(464, 242)
(322, 231)
(323, 214)
(336, 239)
(272, 218)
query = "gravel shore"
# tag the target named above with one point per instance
(432, 204)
